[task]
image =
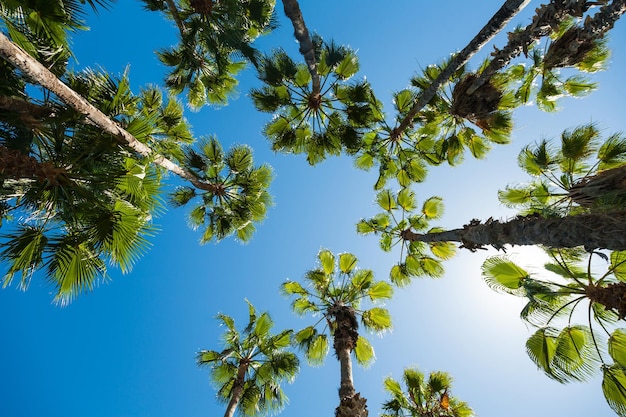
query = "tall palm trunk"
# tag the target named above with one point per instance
(593, 231)
(497, 22)
(42, 76)
(237, 391)
(292, 10)
(346, 334)
(546, 20)
(572, 46)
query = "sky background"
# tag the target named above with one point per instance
(128, 349)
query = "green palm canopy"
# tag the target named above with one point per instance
(249, 371)
(563, 349)
(424, 397)
(334, 291)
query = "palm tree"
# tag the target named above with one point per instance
(423, 397)
(572, 352)
(214, 37)
(88, 176)
(335, 291)
(79, 202)
(497, 22)
(546, 20)
(402, 212)
(582, 174)
(444, 129)
(240, 198)
(315, 120)
(249, 371)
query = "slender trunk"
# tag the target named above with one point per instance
(593, 231)
(171, 6)
(546, 20)
(292, 10)
(237, 391)
(497, 22)
(346, 334)
(34, 70)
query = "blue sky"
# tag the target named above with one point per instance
(128, 348)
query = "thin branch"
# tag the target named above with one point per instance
(292, 10)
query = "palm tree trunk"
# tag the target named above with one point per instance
(351, 404)
(546, 20)
(171, 6)
(497, 22)
(42, 76)
(572, 46)
(292, 10)
(237, 391)
(593, 231)
(607, 188)
(17, 166)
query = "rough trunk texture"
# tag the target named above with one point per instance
(292, 11)
(497, 22)
(605, 189)
(546, 20)
(345, 336)
(35, 71)
(237, 391)
(571, 48)
(612, 297)
(16, 165)
(593, 231)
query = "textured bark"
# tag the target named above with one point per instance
(16, 165)
(345, 336)
(607, 188)
(612, 297)
(35, 71)
(171, 6)
(237, 391)
(593, 231)
(571, 48)
(497, 22)
(292, 11)
(546, 20)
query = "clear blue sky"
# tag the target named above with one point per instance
(128, 349)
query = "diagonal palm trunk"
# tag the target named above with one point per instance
(572, 46)
(42, 76)
(292, 10)
(351, 404)
(237, 391)
(497, 22)
(593, 231)
(545, 21)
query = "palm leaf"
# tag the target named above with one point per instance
(503, 275)
(614, 387)
(617, 346)
(364, 352)
(541, 348)
(377, 319)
